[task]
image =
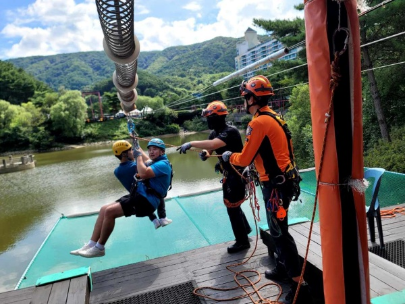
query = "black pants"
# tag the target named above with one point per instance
(234, 190)
(285, 245)
(161, 210)
(239, 223)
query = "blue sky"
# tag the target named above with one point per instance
(47, 27)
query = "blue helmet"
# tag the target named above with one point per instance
(157, 142)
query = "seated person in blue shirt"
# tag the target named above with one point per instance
(145, 194)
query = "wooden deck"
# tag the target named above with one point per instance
(207, 266)
(385, 277)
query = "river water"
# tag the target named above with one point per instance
(75, 181)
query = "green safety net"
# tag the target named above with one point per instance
(198, 220)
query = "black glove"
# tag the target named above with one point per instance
(203, 155)
(184, 147)
(218, 168)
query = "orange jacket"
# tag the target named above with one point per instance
(265, 144)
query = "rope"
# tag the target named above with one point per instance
(243, 274)
(334, 82)
(390, 213)
(254, 205)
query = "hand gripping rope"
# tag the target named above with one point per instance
(132, 132)
(251, 179)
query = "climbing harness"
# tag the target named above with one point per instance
(275, 205)
(249, 175)
(135, 138)
(291, 173)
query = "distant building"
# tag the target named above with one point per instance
(252, 50)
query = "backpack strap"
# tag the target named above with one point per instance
(292, 172)
(287, 132)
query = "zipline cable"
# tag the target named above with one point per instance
(305, 64)
(175, 103)
(382, 39)
(183, 101)
(384, 66)
(375, 7)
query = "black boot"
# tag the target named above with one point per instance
(278, 273)
(238, 246)
(304, 294)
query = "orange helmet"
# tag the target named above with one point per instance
(215, 108)
(257, 85)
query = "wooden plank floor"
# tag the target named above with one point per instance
(385, 277)
(207, 266)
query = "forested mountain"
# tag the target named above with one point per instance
(77, 70)
(16, 85)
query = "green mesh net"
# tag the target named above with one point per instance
(198, 221)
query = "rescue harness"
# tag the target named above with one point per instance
(291, 173)
(146, 182)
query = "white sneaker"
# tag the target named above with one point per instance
(157, 224)
(165, 221)
(92, 252)
(85, 247)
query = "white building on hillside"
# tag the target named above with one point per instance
(251, 50)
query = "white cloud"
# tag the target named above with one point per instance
(233, 18)
(192, 6)
(141, 10)
(60, 26)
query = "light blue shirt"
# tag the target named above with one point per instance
(160, 182)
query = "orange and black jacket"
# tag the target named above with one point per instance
(266, 144)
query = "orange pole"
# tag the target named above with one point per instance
(341, 208)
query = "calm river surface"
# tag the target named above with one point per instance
(75, 181)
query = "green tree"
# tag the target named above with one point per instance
(16, 85)
(15, 127)
(68, 115)
(37, 117)
(163, 117)
(299, 122)
(111, 103)
(388, 155)
(147, 101)
(44, 100)
(289, 32)
(382, 91)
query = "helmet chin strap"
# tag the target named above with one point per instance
(250, 105)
